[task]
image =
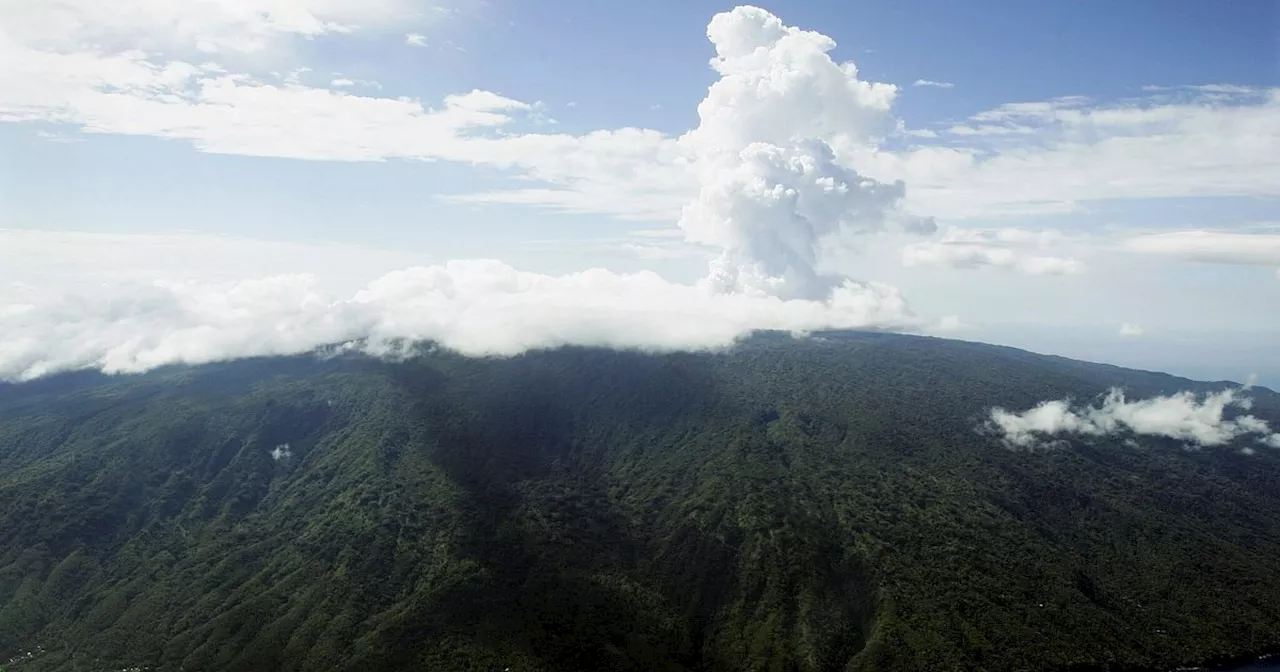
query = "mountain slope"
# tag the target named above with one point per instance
(824, 504)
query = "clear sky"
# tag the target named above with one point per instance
(191, 181)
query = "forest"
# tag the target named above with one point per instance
(818, 504)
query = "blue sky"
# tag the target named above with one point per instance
(1086, 165)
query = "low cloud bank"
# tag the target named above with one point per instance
(1182, 416)
(473, 307)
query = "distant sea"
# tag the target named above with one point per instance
(1271, 664)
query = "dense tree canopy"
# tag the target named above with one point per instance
(793, 505)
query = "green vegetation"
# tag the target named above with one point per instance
(813, 505)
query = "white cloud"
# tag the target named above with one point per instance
(770, 190)
(629, 172)
(235, 114)
(209, 26)
(281, 452)
(1216, 247)
(931, 83)
(769, 194)
(56, 137)
(633, 173)
(756, 152)
(657, 251)
(474, 307)
(415, 40)
(1228, 89)
(1006, 248)
(644, 244)
(1130, 330)
(1047, 110)
(950, 324)
(38, 266)
(99, 67)
(370, 83)
(1049, 266)
(757, 57)
(770, 207)
(1065, 152)
(657, 233)
(989, 130)
(1180, 416)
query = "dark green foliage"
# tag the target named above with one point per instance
(818, 505)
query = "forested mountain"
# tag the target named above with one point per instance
(792, 505)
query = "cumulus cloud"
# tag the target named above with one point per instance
(1007, 248)
(934, 84)
(473, 307)
(770, 190)
(281, 452)
(1129, 330)
(1183, 416)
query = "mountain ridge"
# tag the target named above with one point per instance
(795, 504)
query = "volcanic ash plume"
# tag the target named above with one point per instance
(770, 188)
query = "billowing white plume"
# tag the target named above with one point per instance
(770, 192)
(770, 188)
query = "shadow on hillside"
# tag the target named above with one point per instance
(563, 580)
(568, 580)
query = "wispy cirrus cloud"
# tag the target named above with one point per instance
(1062, 153)
(1210, 246)
(1021, 250)
(210, 26)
